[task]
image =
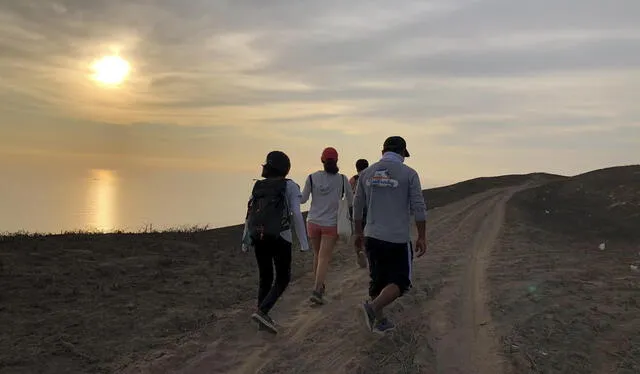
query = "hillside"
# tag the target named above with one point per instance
(569, 305)
(441, 196)
(505, 286)
(602, 204)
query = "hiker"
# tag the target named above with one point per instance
(390, 191)
(327, 187)
(361, 164)
(274, 201)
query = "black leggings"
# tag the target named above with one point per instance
(270, 253)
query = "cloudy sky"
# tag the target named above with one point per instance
(477, 87)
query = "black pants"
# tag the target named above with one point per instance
(389, 263)
(269, 254)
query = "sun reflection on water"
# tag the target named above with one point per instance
(102, 203)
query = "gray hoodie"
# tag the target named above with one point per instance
(391, 191)
(327, 192)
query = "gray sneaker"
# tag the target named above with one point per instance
(264, 322)
(383, 326)
(317, 298)
(261, 327)
(369, 315)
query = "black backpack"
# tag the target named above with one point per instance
(267, 210)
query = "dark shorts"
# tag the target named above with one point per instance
(389, 263)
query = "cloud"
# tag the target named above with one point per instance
(451, 75)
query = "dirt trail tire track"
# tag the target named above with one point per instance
(449, 326)
(465, 341)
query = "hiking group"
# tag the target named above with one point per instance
(381, 198)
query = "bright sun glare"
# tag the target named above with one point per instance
(110, 70)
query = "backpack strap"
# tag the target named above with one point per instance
(310, 182)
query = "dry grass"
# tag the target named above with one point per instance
(80, 302)
(441, 196)
(564, 305)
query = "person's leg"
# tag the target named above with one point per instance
(315, 238)
(376, 275)
(377, 280)
(282, 261)
(399, 259)
(362, 257)
(264, 258)
(327, 245)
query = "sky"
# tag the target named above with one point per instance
(476, 87)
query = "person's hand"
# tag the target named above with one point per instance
(421, 247)
(303, 249)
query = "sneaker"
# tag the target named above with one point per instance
(317, 298)
(383, 326)
(264, 321)
(369, 315)
(361, 259)
(261, 327)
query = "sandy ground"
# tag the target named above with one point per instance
(444, 322)
(510, 284)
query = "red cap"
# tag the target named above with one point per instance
(329, 153)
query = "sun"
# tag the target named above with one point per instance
(110, 70)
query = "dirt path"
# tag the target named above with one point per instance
(444, 325)
(461, 322)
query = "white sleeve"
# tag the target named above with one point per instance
(294, 195)
(246, 241)
(306, 192)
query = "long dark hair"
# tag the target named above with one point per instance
(331, 166)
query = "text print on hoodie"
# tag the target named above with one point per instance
(391, 192)
(326, 196)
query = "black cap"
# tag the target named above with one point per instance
(279, 161)
(395, 144)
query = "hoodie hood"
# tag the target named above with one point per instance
(322, 186)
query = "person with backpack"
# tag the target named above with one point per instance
(327, 187)
(274, 203)
(361, 164)
(391, 191)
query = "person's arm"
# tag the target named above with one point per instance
(306, 191)
(360, 201)
(294, 196)
(352, 182)
(418, 206)
(348, 192)
(246, 240)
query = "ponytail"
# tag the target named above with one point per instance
(331, 166)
